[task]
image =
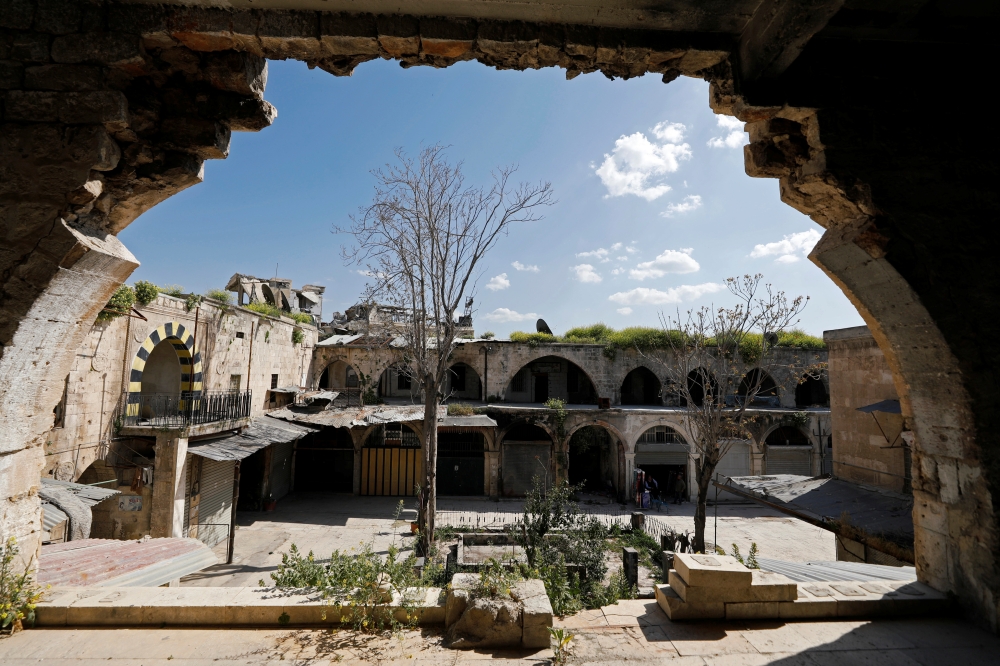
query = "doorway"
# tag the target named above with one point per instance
(541, 388)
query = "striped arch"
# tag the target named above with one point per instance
(183, 343)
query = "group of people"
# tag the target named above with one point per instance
(650, 484)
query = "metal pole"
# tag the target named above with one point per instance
(250, 356)
(232, 513)
(716, 537)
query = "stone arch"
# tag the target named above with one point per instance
(641, 386)
(811, 391)
(463, 382)
(574, 384)
(64, 272)
(669, 422)
(394, 382)
(524, 454)
(697, 381)
(782, 433)
(338, 374)
(181, 341)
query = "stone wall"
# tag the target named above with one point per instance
(860, 376)
(95, 384)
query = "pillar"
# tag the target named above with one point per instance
(167, 516)
(493, 474)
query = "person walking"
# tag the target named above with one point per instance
(679, 488)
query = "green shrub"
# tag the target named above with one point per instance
(300, 317)
(192, 301)
(532, 339)
(19, 594)
(297, 336)
(800, 339)
(495, 580)
(460, 409)
(221, 295)
(172, 290)
(264, 309)
(489, 335)
(146, 292)
(119, 305)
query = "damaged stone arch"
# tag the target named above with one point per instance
(338, 374)
(579, 387)
(181, 342)
(114, 107)
(616, 454)
(632, 392)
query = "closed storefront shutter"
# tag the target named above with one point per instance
(736, 462)
(216, 504)
(788, 460)
(390, 470)
(281, 470)
(661, 454)
(521, 462)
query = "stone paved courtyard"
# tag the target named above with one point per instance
(325, 522)
(628, 632)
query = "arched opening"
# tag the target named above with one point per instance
(766, 388)
(551, 377)
(811, 392)
(162, 374)
(324, 462)
(787, 450)
(391, 461)
(701, 383)
(461, 466)
(593, 461)
(641, 387)
(525, 452)
(462, 383)
(662, 454)
(338, 375)
(396, 382)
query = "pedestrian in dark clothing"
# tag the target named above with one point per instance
(679, 488)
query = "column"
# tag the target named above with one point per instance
(493, 474)
(167, 515)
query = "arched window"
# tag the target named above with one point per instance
(811, 392)
(551, 377)
(699, 383)
(787, 436)
(641, 387)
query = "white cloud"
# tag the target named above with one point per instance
(631, 249)
(618, 271)
(616, 247)
(788, 248)
(671, 261)
(646, 296)
(637, 165)
(599, 253)
(624, 311)
(506, 315)
(691, 202)
(622, 258)
(498, 282)
(586, 273)
(524, 267)
(733, 134)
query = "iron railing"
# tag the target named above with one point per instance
(179, 410)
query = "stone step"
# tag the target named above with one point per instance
(764, 586)
(712, 571)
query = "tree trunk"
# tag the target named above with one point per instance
(701, 509)
(428, 496)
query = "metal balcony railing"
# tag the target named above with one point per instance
(179, 410)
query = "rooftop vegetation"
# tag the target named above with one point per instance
(646, 337)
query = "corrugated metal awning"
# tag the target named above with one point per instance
(116, 563)
(260, 434)
(475, 421)
(836, 571)
(89, 495)
(52, 516)
(351, 417)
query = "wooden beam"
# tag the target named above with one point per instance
(778, 31)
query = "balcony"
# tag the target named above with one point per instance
(203, 411)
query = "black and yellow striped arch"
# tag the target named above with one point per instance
(183, 343)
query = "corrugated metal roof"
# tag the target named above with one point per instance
(261, 433)
(354, 417)
(51, 516)
(825, 499)
(835, 571)
(475, 421)
(113, 563)
(335, 340)
(89, 495)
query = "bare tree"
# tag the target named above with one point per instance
(423, 239)
(718, 362)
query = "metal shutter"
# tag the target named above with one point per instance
(216, 501)
(520, 466)
(788, 460)
(661, 454)
(736, 462)
(281, 469)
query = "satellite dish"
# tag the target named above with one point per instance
(542, 327)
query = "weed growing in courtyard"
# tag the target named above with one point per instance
(19, 594)
(495, 580)
(751, 560)
(562, 638)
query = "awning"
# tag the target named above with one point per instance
(475, 421)
(260, 434)
(351, 417)
(285, 389)
(116, 563)
(89, 495)
(310, 296)
(51, 516)
(886, 406)
(824, 501)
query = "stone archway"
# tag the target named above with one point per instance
(158, 89)
(170, 341)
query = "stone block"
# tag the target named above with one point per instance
(765, 587)
(455, 604)
(630, 566)
(29, 47)
(487, 623)
(536, 609)
(11, 74)
(753, 610)
(17, 14)
(58, 17)
(107, 107)
(802, 609)
(99, 48)
(712, 571)
(536, 637)
(205, 138)
(677, 609)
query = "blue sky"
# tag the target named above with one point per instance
(654, 207)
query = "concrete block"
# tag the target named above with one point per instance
(537, 637)
(677, 609)
(765, 587)
(712, 571)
